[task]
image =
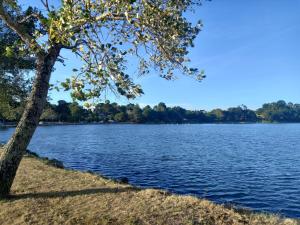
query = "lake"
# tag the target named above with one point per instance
(256, 166)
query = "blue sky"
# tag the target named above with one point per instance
(249, 50)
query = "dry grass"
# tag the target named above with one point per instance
(44, 195)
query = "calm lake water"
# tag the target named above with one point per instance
(249, 165)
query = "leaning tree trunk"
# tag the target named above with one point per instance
(17, 145)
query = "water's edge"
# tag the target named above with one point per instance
(59, 164)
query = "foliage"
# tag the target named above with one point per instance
(14, 59)
(14, 86)
(50, 114)
(105, 35)
(112, 112)
(280, 112)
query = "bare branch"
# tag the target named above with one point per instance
(33, 15)
(46, 5)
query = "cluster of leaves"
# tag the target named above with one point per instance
(106, 34)
(154, 32)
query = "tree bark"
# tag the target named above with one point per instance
(17, 145)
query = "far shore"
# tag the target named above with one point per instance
(126, 123)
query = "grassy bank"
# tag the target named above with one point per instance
(43, 194)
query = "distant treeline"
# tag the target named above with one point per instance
(132, 113)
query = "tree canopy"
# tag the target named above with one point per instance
(105, 35)
(280, 111)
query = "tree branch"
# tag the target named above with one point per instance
(77, 43)
(18, 28)
(46, 5)
(107, 15)
(33, 15)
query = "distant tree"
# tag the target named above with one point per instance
(161, 111)
(63, 111)
(49, 115)
(177, 114)
(217, 115)
(106, 111)
(76, 112)
(161, 107)
(240, 114)
(196, 116)
(279, 111)
(129, 110)
(149, 114)
(136, 115)
(156, 33)
(121, 117)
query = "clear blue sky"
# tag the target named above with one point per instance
(249, 50)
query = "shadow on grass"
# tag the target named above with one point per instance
(62, 194)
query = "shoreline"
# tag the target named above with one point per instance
(43, 183)
(4, 126)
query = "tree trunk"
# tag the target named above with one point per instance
(17, 145)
